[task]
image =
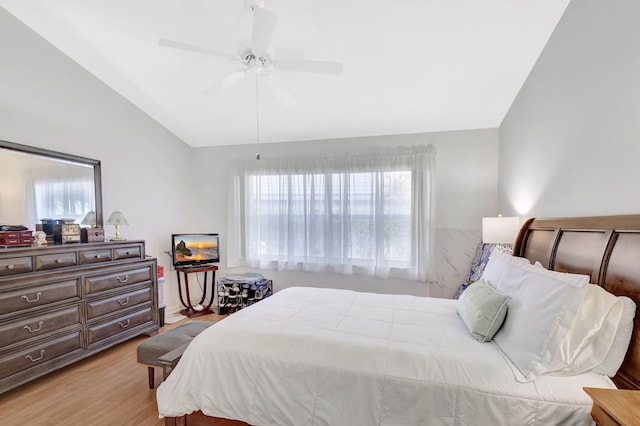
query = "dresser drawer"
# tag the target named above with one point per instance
(127, 252)
(95, 256)
(26, 298)
(101, 307)
(98, 283)
(53, 261)
(15, 265)
(39, 354)
(39, 325)
(119, 325)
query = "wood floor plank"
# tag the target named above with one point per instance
(109, 388)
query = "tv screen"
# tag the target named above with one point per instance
(195, 249)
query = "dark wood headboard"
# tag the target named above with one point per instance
(607, 248)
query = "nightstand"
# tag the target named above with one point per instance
(615, 406)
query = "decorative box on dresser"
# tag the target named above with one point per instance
(62, 303)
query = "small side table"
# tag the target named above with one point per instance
(615, 406)
(191, 310)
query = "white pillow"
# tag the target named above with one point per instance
(614, 358)
(541, 312)
(591, 335)
(483, 310)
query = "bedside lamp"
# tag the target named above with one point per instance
(89, 219)
(500, 230)
(117, 219)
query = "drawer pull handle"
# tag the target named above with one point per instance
(58, 261)
(123, 280)
(125, 325)
(26, 327)
(10, 267)
(123, 302)
(26, 298)
(97, 256)
(32, 359)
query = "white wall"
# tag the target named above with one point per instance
(48, 101)
(466, 187)
(570, 144)
(163, 186)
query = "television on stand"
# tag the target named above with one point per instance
(195, 250)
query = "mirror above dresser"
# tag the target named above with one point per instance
(38, 184)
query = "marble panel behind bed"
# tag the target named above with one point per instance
(455, 249)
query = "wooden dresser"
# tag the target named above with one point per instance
(63, 303)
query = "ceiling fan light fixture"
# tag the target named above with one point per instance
(254, 4)
(257, 55)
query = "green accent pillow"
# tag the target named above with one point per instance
(483, 310)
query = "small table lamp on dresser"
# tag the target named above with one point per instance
(117, 218)
(615, 406)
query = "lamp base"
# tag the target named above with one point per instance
(117, 237)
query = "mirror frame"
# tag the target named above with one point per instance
(97, 174)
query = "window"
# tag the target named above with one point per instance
(360, 214)
(59, 191)
(63, 199)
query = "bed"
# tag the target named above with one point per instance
(326, 356)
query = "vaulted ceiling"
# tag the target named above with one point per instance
(408, 66)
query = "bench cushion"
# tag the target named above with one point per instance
(152, 349)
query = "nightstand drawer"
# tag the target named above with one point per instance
(15, 265)
(119, 325)
(53, 261)
(37, 296)
(39, 354)
(40, 325)
(101, 307)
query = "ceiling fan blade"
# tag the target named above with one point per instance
(319, 67)
(193, 48)
(264, 24)
(283, 95)
(240, 20)
(226, 82)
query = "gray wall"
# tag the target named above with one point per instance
(48, 101)
(163, 186)
(570, 144)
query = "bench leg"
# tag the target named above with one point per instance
(151, 377)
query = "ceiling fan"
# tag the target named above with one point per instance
(258, 56)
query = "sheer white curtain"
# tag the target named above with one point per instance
(59, 193)
(366, 214)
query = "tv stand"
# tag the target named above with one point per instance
(198, 309)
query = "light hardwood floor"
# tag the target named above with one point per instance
(109, 388)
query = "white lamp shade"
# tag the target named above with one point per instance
(89, 219)
(500, 230)
(117, 218)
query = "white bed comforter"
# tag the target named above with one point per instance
(312, 356)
